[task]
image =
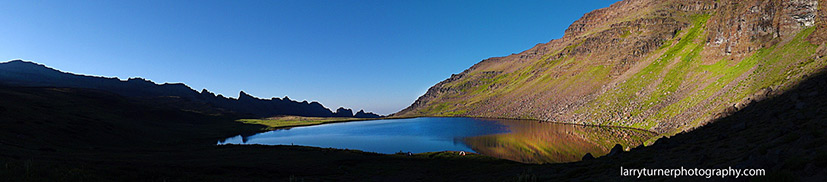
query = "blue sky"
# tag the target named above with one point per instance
(373, 55)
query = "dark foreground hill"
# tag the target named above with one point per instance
(29, 74)
(68, 134)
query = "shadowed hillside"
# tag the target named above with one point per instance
(783, 134)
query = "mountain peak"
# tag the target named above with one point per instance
(140, 80)
(21, 65)
(343, 112)
(363, 114)
(205, 92)
(243, 96)
(19, 61)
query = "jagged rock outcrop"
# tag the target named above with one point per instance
(664, 66)
(342, 112)
(363, 114)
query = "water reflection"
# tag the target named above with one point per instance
(415, 135)
(533, 142)
(518, 140)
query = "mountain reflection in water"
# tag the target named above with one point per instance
(534, 142)
(519, 140)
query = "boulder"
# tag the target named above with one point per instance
(617, 149)
(588, 156)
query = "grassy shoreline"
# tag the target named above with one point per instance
(523, 119)
(283, 122)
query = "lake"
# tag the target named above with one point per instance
(518, 140)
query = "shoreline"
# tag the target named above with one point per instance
(554, 122)
(343, 120)
(655, 135)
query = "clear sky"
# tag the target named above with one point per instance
(373, 55)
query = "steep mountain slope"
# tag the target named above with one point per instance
(666, 66)
(28, 74)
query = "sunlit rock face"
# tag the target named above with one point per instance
(666, 66)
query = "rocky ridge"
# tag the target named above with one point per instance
(178, 95)
(664, 66)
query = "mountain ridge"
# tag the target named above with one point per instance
(664, 66)
(31, 74)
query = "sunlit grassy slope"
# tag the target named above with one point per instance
(691, 91)
(675, 87)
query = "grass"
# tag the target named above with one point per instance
(768, 72)
(677, 87)
(293, 121)
(678, 82)
(613, 101)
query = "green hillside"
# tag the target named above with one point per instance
(667, 69)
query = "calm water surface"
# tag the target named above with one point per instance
(518, 140)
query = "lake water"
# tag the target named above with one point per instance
(518, 140)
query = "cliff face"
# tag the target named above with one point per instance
(661, 65)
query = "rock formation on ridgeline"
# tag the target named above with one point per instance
(363, 114)
(661, 65)
(342, 112)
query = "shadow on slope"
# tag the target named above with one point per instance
(86, 118)
(785, 135)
